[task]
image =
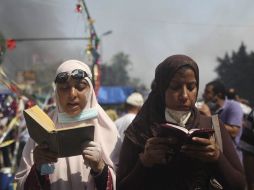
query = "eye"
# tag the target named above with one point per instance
(174, 86)
(192, 86)
(81, 85)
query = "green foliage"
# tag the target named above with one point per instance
(236, 71)
(116, 73)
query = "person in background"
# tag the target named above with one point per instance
(132, 106)
(203, 108)
(232, 95)
(112, 114)
(149, 161)
(246, 144)
(76, 103)
(229, 111)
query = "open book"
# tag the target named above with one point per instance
(182, 134)
(64, 141)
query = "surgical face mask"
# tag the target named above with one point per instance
(84, 115)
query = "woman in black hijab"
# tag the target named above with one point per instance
(150, 159)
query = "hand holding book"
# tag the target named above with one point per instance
(158, 150)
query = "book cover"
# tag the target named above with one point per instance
(182, 134)
(64, 141)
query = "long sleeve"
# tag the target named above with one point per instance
(26, 164)
(103, 181)
(131, 173)
(35, 181)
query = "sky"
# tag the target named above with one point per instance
(148, 31)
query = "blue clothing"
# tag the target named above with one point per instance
(231, 113)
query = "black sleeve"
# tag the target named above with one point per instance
(101, 179)
(131, 174)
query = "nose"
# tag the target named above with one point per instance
(72, 92)
(184, 95)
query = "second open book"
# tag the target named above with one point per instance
(182, 134)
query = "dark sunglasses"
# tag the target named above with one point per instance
(76, 74)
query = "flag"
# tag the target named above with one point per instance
(11, 44)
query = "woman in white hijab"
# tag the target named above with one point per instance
(76, 103)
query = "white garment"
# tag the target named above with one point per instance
(123, 122)
(178, 117)
(71, 173)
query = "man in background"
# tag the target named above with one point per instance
(132, 106)
(229, 111)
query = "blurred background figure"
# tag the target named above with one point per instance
(112, 114)
(8, 109)
(229, 110)
(203, 108)
(132, 106)
(233, 95)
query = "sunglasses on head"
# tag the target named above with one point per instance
(76, 74)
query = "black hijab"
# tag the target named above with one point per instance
(153, 110)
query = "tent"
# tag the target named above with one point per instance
(113, 94)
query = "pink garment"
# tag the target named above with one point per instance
(71, 173)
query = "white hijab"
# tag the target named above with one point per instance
(71, 173)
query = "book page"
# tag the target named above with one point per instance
(41, 117)
(202, 132)
(169, 125)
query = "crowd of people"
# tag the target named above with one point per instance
(131, 152)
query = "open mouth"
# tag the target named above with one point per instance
(72, 105)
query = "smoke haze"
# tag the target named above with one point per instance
(148, 31)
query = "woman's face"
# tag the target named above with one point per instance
(72, 95)
(182, 91)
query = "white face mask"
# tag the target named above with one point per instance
(84, 115)
(178, 117)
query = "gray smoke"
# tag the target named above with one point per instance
(23, 19)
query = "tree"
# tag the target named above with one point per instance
(116, 73)
(236, 71)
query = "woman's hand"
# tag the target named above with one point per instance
(42, 155)
(92, 154)
(157, 151)
(203, 149)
